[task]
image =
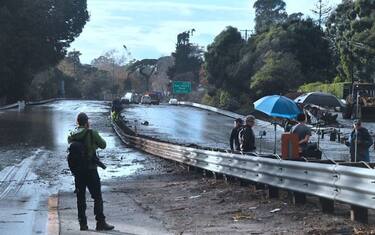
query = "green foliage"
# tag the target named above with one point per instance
(333, 88)
(279, 73)
(221, 59)
(288, 54)
(351, 28)
(95, 84)
(269, 13)
(34, 36)
(222, 99)
(145, 68)
(188, 58)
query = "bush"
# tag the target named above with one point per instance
(334, 88)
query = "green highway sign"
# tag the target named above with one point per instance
(180, 87)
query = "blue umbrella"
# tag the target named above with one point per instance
(277, 106)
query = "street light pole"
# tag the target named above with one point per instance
(113, 78)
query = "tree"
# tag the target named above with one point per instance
(280, 72)
(113, 61)
(308, 43)
(188, 57)
(322, 11)
(268, 13)
(351, 29)
(34, 36)
(222, 56)
(145, 68)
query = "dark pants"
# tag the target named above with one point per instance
(91, 180)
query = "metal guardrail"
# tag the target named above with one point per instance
(213, 109)
(23, 103)
(43, 101)
(351, 185)
(260, 123)
(9, 106)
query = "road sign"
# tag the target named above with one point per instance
(181, 87)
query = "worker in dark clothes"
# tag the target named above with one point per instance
(302, 131)
(234, 140)
(246, 135)
(360, 142)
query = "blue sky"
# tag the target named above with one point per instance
(149, 28)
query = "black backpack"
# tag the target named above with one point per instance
(77, 159)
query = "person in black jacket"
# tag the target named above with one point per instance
(360, 142)
(234, 140)
(246, 135)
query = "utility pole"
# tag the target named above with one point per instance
(113, 79)
(247, 33)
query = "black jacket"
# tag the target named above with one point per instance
(247, 139)
(364, 143)
(234, 139)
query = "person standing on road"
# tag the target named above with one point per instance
(302, 131)
(246, 135)
(234, 141)
(88, 177)
(360, 142)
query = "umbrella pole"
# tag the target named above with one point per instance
(318, 133)
(356, 145)
(274, 148)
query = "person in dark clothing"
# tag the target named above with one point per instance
(246, 135)
(360, 141)
(88, 177)
(116, 109)
(234, 140)
(302, 131)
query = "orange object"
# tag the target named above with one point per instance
(289, 146)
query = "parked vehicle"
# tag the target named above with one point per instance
(173, 101)
(130, 98)
(154, 98)
(146, 99)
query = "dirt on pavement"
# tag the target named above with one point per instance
(169, 199)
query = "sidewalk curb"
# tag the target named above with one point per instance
(53, 226)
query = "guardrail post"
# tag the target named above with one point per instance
(229, 179)
(214, 175)
(21, 105)
(225, 178)
(298, 198)
(328, 205)
(359, 214)
(259, 186)
(273, 192)
(245, 183)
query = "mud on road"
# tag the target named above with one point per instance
(145, 194)
(188, 203)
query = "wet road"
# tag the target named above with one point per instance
(33, 150)
(33, 165)
(181, 124)
(190, 125)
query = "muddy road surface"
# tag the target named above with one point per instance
(33, 165)
(142, 194)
